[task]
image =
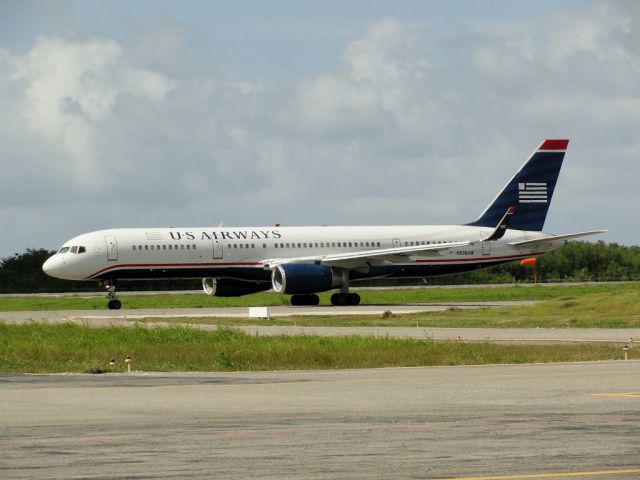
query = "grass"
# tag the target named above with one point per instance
(379, 297)
(39, 348)
(607, 309)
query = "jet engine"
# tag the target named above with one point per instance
(230, 287)
(303, 278)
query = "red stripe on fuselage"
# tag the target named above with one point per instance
(488, 258)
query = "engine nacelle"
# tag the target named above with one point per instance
(296, 278)
(230, 287)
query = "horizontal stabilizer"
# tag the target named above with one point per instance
(568, 236)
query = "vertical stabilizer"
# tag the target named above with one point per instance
(530, 190)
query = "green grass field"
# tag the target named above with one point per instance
(38, 348)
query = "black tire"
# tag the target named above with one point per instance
(353, 299)
(334, 299)
(313, 299)
(339, 299)
(296, 300)
(114, 304)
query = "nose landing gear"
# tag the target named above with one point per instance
(113, 303)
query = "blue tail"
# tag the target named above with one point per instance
(529, 191)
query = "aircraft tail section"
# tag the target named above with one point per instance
(529, 191)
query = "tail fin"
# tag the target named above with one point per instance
(530, 190)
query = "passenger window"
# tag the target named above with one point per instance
(134, 247)
(299, 245)
(287, 245)
(333, 244)
(181, 247)
(264, 245)
(188, 247)
(241, 246)
(164, 247)
(378, 243)
(275, 245)
(146, 247)
(304, 245)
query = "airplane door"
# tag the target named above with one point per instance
(217, 249)
(395, 242)
(486, 245)
(112, 248)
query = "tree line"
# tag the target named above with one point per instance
(574, 262)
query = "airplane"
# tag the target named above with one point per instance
(303, 261)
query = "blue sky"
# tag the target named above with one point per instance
(366, 112)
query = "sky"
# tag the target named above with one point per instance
(252, 113)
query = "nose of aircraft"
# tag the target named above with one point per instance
(53, 266)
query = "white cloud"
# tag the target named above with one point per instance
(71, 88)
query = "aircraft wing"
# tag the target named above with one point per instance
(568, 236)
(363, 257)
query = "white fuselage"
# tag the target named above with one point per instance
(247, 252)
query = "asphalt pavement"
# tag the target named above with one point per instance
(528, 421)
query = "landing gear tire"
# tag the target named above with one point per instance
(342, 299)
(339, 299)
(114, 304)
(353, 299)
(311, 299)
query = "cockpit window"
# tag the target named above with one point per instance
(81, 249)
(63, 250)
(74, 249)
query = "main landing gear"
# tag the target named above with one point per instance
(311, 299)
(339, 299)
(344, 298)
(113, 303)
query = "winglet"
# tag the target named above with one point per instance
(501, 228)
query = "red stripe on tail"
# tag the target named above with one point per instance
(554, 145)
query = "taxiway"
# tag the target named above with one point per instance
(530, 421)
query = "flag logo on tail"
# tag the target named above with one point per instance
(532, 192)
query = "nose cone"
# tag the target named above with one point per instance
(53, 266)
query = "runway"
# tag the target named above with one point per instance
(244, 312)
(530, 421)
(257, 326)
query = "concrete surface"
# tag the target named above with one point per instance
(533, 421)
